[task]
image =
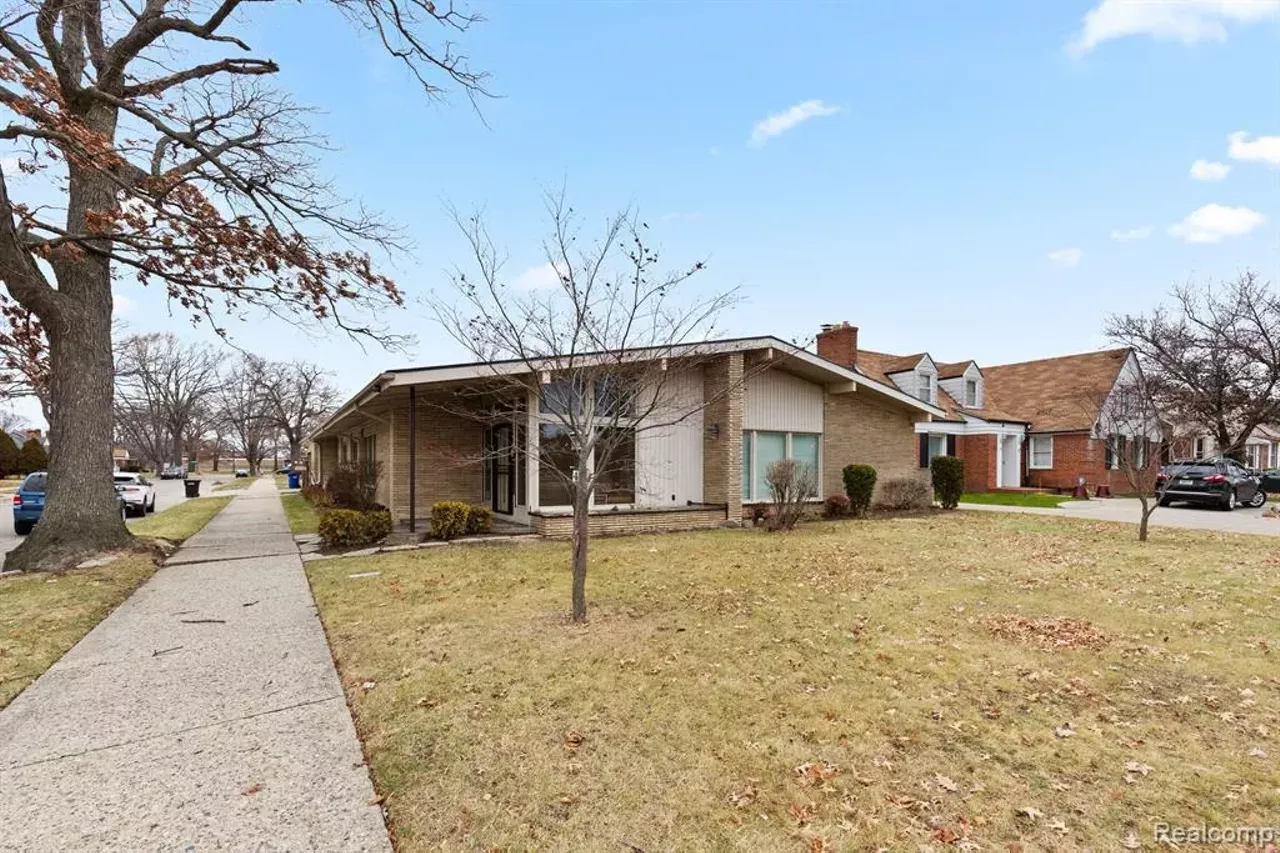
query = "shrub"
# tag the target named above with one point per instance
(905, 493)
(316, 495)
(836, 506)
(948, 480)
(859, 484)
(760, 513)
(353, 486)
(8, 454)
(479, 519)
(791, 485)
(345, 528)
(449, 519)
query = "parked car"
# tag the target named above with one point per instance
(173, 472)
(28, 502)
(242, 472)
(139, 494)
(1270, 480)
(1214, 482)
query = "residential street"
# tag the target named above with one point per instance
(205, 712)
(1129, 510)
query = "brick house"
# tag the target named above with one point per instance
(1029, 424)
(750, 401)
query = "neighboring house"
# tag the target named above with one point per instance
(751, 401)
(1261, 448)
(119, 456)
(1034, 423)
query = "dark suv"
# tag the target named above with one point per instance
(1216, 482)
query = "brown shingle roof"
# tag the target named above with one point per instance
(878, 365)
(1056, 394)
(953, 369)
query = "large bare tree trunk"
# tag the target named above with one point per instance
(581, 530)
(81, 513)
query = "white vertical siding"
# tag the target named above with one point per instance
(955, 386)
(780, 402)
(669, 455)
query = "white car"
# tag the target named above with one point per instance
(138, 493)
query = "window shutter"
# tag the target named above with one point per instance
(951, 445)
(1111, 453)
(924, 450)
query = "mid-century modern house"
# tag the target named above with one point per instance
(749, 402)
(1035, 424)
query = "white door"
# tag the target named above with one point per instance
(1010, 461)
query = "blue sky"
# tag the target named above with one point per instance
(953, 149)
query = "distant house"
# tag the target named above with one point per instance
(1033, 423)
(1261, 448)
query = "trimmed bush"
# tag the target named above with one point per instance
(948, 480)
(353, 486)
(347, 528)
(449, 519)
(836, 506)
(859, 484)
(905, 493)
(479, 519)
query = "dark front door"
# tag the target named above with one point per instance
(504, 469)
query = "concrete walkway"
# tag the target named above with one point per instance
(205, 712)
(1129, 510)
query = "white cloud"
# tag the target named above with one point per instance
(122, 304)
(1263, 149)
(538, 277)
(1186, 21)
(1066, 257)
(1130, 234)
(1207, 170)
(779, 123)
(1212, 222)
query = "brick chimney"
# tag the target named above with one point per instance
(839, 343)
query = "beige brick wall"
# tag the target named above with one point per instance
(449, 450)
(624, 523)
(861, 430)
(326, 454)
(722, 455)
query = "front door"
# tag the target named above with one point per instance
(503, 468)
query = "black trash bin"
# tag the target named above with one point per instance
(193, 488)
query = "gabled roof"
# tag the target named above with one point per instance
(878, 365)
(1060, 394)
(954, 369)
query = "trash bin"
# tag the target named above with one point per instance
(294, 480)
(193, 488)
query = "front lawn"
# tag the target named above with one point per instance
(42, 615)
(235, 484)
(302, 516)
(1033, 499)
(959, 679)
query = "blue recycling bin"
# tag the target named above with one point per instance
(294, 480)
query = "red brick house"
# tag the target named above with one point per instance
(1028, 424)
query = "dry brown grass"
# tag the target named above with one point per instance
(851, 685)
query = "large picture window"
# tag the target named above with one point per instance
(558, 461)
(761, 449)
(1041, 451)
(615, 462)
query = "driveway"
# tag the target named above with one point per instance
(168, 493)
(1130, 510)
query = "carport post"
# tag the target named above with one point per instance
(413, 461)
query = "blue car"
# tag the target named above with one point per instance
(28, 502)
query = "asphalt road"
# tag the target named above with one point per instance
(168, 493)
(1243, 520)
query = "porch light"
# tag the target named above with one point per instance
(713, 431)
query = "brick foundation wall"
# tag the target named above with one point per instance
(623, 523)
(860, 430)
(722, 384)
(979, 455)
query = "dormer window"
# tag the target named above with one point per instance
(971, 393)
(926, 387)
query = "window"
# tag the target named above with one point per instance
(615, 397)
(1140, 453)
(559, 462)
(760, 449)
(560, 396)
(369, 459)
(1200, 448)
(1115, 450)
(522, 486)
(926, 387)
(615, 460)
(1041, 452)
(971, 393)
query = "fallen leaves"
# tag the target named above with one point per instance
(1134, 769)
(744, 798)
(1065, 730)
(1031, 813)
(1048, 632)
(816, 772)
(945, 783)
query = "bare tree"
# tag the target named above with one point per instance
(600, 352)
(195, 176)
(300, 395)
(11, 421)
(243, 409)
(167, 380)
(1212, 361)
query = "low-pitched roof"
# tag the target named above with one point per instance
(1060, 394)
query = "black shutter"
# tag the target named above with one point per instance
(1110, 455)
(924, 451)
(951, 445)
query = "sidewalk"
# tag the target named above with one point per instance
(1129, 511)
(205, 712)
